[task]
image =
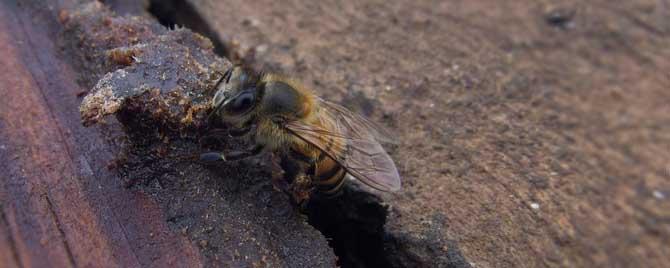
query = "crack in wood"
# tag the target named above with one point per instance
(10, 235)
(68, 250)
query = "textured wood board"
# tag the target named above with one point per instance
(66, 204)
(534, 133)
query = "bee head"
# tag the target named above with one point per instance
(244, 95)
(238, 93)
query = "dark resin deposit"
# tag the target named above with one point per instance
(167, 76)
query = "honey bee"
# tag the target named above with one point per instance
(314, 142)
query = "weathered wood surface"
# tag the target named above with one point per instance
(64, 200)
(534, 133)
(61, 206)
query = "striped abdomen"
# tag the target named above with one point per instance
(327, 175)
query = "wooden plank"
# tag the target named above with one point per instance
(62, 203)
(66, 207)
(9, 253)
(526, 140)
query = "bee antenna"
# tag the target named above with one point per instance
(218, 82)
(209, 116)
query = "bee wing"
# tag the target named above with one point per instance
(354, 147)
(355, 123)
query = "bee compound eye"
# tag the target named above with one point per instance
(242, 103)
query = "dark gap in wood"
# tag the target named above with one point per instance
(180, 13)
(353, 222)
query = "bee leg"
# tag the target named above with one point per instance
(240, 132)
(278, 181)
(301, 191)
(299, 197)
(212, 157)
